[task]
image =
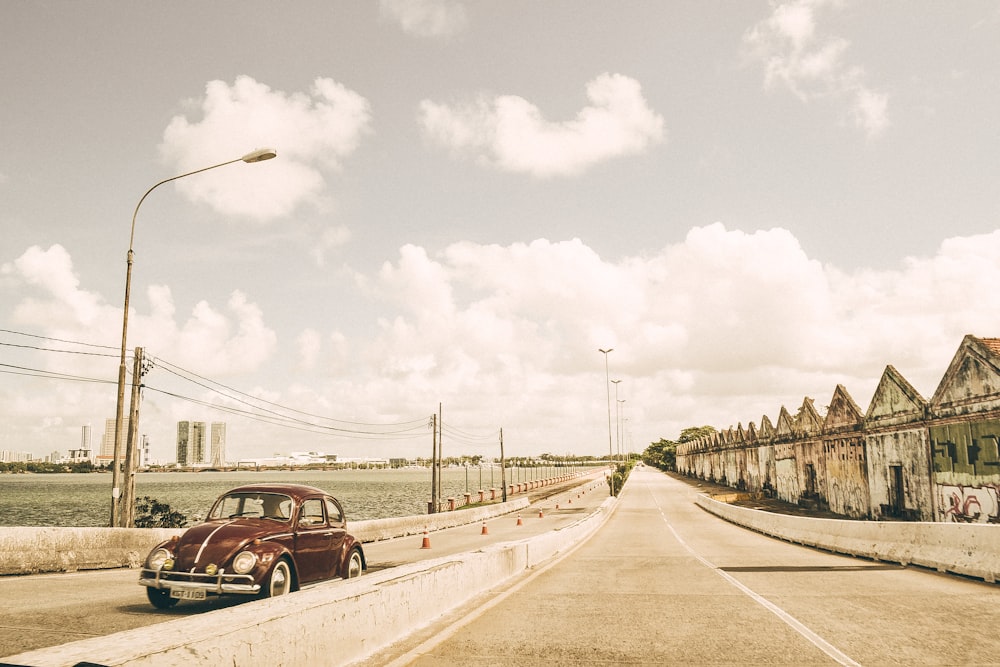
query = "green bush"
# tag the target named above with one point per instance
(151, 513)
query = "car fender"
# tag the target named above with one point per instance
(350, 543)
(268, 554)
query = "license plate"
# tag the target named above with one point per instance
(187, 594)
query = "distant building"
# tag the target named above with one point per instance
(80, 455)
(86, 442)
(8, 456)
(190, 443)
(218, 444)
(107, 454)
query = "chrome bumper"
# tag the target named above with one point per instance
(217, 583)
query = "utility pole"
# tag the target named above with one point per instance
(126, 510)
(440, 452)
(503, 469)
(432, 508)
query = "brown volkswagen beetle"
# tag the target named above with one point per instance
(262, 540)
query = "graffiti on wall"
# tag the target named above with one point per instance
(969, 504)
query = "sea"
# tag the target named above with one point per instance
(84, 499)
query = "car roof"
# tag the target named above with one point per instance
(296, 491)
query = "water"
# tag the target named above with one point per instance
(85, 499)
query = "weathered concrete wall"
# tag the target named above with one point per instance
(847, 476)
(970, 550)
(32, 550)
(907, 450)
(967, 470)
(339, 623)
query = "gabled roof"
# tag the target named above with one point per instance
(751, 432)
(808, 421)
(843, 413)
(766, 429)
(786, 425)
(895, 400)
(972, 380)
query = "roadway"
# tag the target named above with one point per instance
(51, 609)
(663, 582)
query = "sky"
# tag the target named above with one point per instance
(749, 202)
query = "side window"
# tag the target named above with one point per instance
(312, 513)
(333, 511)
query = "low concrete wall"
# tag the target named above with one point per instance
(32, 550)
(971, 550)
(336, 623)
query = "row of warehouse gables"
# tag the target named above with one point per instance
(905, 459)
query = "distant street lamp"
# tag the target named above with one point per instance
(116, 513)
(618, 420)
(607, 385)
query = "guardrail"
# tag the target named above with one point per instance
(971, 550)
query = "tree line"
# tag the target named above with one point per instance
(663, 453)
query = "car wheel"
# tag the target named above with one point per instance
(355, 565)
(160, 598)
(279, 582)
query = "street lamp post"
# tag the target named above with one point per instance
(607, 385)
(116, 472)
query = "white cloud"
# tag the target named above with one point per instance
(426, 18)
(811, 65)
(312, 132)
(510, 133)
(722, 327)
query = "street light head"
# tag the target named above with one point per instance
(610, 349)
(260, 155)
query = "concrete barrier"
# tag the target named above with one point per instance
(971, 550)
(335, 623)
(33, 550)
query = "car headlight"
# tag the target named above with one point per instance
(244, 561)
(157, 558)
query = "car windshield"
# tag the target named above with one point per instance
(275, 506)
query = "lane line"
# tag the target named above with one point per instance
(787, 618)
(432, 643)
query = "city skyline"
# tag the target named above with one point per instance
(749, 202)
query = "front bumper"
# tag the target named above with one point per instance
(219, 583)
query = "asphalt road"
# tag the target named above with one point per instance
(43, 610)
(665, 583)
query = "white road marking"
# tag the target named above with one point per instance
(788, 619)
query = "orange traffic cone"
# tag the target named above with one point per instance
(485, 531)
(427, 541)
(519, 522)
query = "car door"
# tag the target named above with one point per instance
(313, 541)
(338, 533)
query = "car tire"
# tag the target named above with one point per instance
(160, 598)
(278, 581)
(355, 564)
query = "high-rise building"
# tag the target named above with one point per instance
(107, 454)
(190, 443)
(218, 444)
